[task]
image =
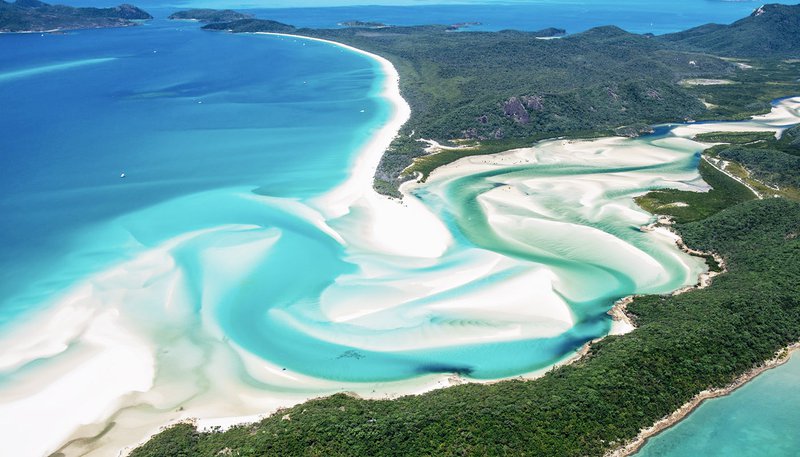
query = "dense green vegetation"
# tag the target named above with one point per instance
(725, 192)
(752, 91)
(510, 86)
(770, 166)
(764, 162)
(251, 26)
(735, 137)
(770, 30)
(36, 16)
(683, 345)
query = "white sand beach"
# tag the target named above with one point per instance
(100, 334)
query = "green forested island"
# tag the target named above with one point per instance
(36, 16)
(209, 15)
(512, 89)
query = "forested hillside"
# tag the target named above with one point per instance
(36, 16)
(772, 30)
(481, 88)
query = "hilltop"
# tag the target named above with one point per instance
(36, 16)
(210, 15)
(772, 30)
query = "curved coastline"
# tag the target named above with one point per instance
(634, 446)
(358, 190)
(618, 313)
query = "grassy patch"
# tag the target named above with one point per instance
(725, 192)
(753, 92)
(734, 137)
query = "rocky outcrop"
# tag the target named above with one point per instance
(653, 94)
(517, 107)
(514, 109)
(533, 102)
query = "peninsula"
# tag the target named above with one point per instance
(36, 16)
(493, 91)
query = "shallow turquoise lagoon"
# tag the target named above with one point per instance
(169, 234)
(178, 111)
(759, 419)
(225, 142)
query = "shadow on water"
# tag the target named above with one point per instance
(434, 368)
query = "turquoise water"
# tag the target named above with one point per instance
(226, 140)
(178, 111)
(219, 262)
(759, 419)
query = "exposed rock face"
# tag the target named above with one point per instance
(514, 109)
(653, 94)
(470, 133)
(483, 119)
(498, 134)
(533, 102)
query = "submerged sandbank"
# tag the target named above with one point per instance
(412, 288)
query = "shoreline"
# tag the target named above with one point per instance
(359, 183)
(358, 188)
(672, 419)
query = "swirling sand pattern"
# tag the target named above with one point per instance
(230, 302)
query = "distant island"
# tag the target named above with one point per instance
(251, 26)
(362, 24)
(36, 16)
(209, 15)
